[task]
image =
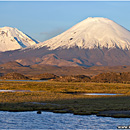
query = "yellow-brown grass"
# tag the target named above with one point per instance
(53, 94)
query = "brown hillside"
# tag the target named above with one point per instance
(73, 78)
(112, 77)
(13, 76)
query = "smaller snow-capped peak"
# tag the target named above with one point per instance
(12, 39)
(91, 33)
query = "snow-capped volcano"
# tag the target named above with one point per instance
(91, 33)
(92, 42)
(12, 39)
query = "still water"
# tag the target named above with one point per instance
(105, 94)
(49, 120)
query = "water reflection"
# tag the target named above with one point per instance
(19, 91)
(102, 94)
(48, 120)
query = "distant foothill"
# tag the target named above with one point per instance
(110, 77)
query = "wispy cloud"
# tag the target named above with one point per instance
(51, 33)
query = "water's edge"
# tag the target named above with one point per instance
(109, 113)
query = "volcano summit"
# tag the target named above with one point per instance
(90, 34)
(92, 42)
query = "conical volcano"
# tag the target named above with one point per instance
(92, 42)
(92, 33)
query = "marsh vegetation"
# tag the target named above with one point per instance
(58, 97)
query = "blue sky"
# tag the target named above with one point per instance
(45, 19)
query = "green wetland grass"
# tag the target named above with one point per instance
(52, 96)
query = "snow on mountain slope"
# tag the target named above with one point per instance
(91, 33)
(12, 38)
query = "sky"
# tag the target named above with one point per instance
(43, 20)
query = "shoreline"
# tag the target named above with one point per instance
(67, 97)
(62, 110)
(109, 113)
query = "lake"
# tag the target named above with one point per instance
(49, 120)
